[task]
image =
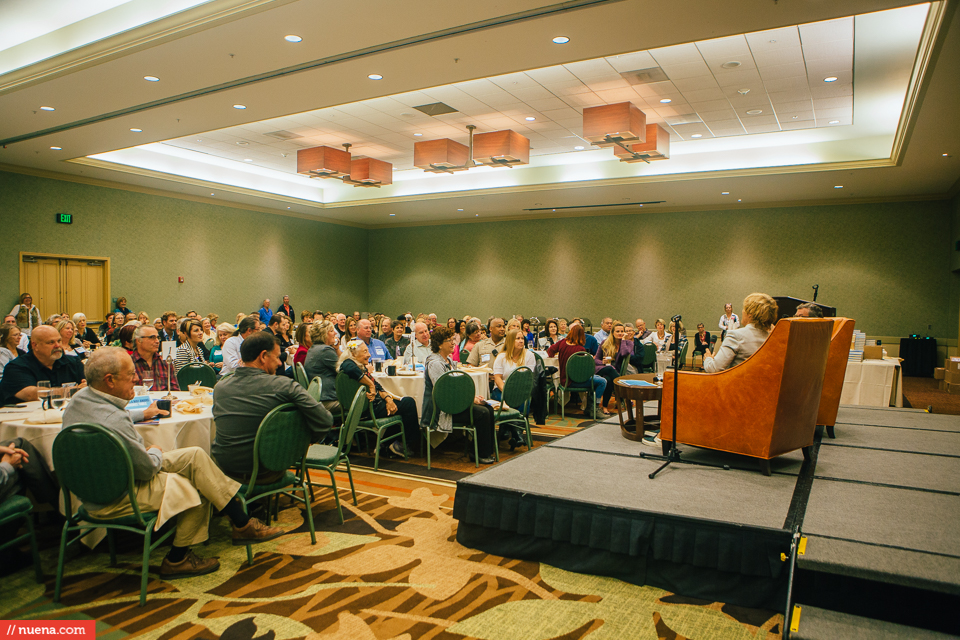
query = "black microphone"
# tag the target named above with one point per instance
(816, 289)
(675, 318)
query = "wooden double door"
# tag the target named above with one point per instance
(67, 284)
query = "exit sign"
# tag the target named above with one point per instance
(64, 218)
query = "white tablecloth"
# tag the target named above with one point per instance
(413, 386)
(874, 383)
(178, 430)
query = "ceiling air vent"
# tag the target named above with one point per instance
(283, 135)
(645, 76)
(435, 109)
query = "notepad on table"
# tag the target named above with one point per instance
(637, 383)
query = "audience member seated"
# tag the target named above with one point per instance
(353, 362)
(192, 348)
(396, 343)
(562, 327)
(71, 344)
(728, 321)
(209, 333)
(224, 332)
(386, 329)
(143, 318)
(341, 324)
(24, 344)
(87, 336)
(660, 338)
(513, 323)
(570, 345)
(605, 325)
(437, 364)
(148, 363)
(122, 306)
(377, 349)
(112, 377)
(231, 348)
(528, 336)
(608, 358)
(471, 338)
(9, 345)
(44, 361)
(809, 310)
(701, 341)
(277, 322)
(105, 332)
(169, 332)
(759, 313)
(420, 346)
(125, 338)
(678, 338)
(242, 400)
(552, 334)
(480, 355)
(21, 468)
(27, 314)
(514, 355)
(349, 333)
(321, 362)
(303, 343)
(643, 335)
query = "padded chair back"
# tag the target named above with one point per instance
(453, 393)
(300, 374)
(683, 353)
(649, 354)
(518, 388)
(580, 369)
(836, 370)
(315, 388)
(623, 365)
(196, 372)
(210, 344)
(281, 441)
(349, 429)
(764, 407)
(346, 389)
(93, 464)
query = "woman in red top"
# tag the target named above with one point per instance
(303, 343)
(572, 344)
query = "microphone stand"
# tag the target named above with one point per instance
(673, 454)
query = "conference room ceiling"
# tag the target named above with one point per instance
(884, 129)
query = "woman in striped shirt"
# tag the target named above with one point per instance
(190, 351)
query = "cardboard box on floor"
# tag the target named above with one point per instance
(940, 373)
(953, 388)
(942, 385)
(952, 364)
(952, 377)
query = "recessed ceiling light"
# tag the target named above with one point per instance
(375, 76)
(830, 79)
(56, 148)
(578, 148)
(151, 78)
(666, 101)
(292, 38)
(418, 134)
(739, 200)
(834, 122)
(733, 64)
(47, 109)
(459, 209)
(242, 143)
(212, 194)
(393, 214)
(478, 215)
(839, 186)
(199, 139)
(554, 209)
(248, 159)
(239, 106)
(754, 112)
(945, 155)
(772, 41)
(288, 207)
(796, 117)
(697, 135)
(561, 40)
(135, 130)
(530, 118)
(724, 193)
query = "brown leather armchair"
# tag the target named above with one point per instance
(836, 370)
(764, 407)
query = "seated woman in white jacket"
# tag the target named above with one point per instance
(759, 314)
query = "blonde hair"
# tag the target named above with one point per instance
(74, 341)
(517, 356)
(350, 351)
(319, 331)
(224, 326)
(513, 323)
(609, 346)
(762, 310)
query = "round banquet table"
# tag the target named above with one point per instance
(173, 432)
(413, 386)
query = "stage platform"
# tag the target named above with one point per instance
(879, 506)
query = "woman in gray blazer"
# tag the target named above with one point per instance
(759, 314)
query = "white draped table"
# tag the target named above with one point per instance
(414, 385)
(874, 383)
(174, 432)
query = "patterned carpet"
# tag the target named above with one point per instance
(392, 571)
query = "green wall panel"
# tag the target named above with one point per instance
(230, 259)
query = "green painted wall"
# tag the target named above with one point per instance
(231, 259)
(886, 265)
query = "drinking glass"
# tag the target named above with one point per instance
(146, 380)
(43, 392)
(58, 397)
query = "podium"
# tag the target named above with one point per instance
(787, 307)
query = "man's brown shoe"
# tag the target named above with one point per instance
(191, 565)
(255, 531)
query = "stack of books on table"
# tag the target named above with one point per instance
(857, 344)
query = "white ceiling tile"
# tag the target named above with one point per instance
(825, 121)
(513, 80)
(500, 100)
(478, 87)
(832, 114)
(790, 70)
(590, 68)
(793, 125)
(546, 104)
(789, 116)
(413, 98)
(696, 83)
(560, 114)
(549, 75)
(583, 100)
(835, 90)
(712, 105)
(791, 99)
(613, 96)
(604, 83)
(703, 95)
(531, 93)
(778, 57)
(827, 30)
(631, 61)
(677, 54)
(761, 128)
(758, 120)
(686, 70)
(567, 88)
(717, 116)
(791, 83)
(783, 38)
(737, 77)
(843, 102)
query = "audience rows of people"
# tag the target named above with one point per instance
(254, 362)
